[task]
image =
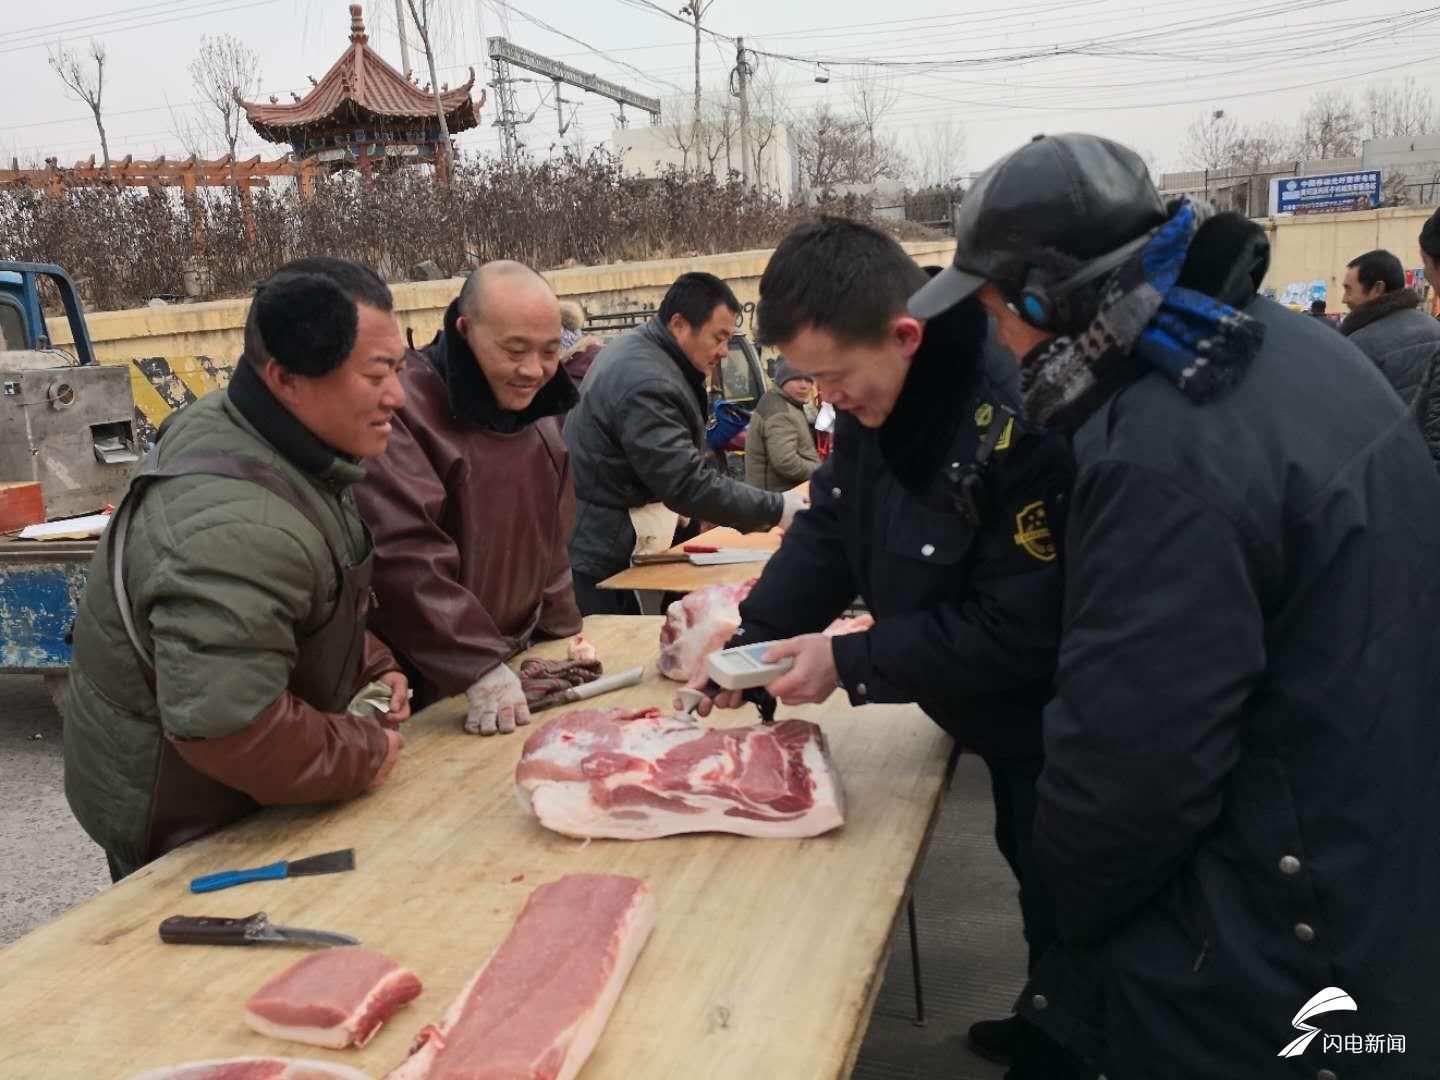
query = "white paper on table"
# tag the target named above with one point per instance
(80, 528)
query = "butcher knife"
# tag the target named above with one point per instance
(255, 929)
(717, 557)
(590, 689)
(332, 862)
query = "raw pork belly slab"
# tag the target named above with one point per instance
(332, 998)
(698, 625)
(536, 1009)
(640, 775)
(254, 1068)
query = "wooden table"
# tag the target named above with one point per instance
(684, 577)
(765, 961)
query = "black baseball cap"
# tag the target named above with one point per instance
(1080, 195)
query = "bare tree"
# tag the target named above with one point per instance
(1260, 146)
(696, 10)
(88, 86)
(1330, 127)
(764, 119)
(225, 72)
(872, 98)
(829, 147)
(938, 153)
(1398, 109)
(719, 126)
(193, 136)
(423, 13)
(1210, 140)
(682, 135)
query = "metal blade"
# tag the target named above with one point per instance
(332, 862)
(296, 935)
(731, 555)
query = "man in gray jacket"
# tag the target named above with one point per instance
(1386, 322)
(637, 439)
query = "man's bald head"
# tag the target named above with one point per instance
(510, 318)
(498, 281)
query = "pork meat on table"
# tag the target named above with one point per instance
(332, 998)
(254, 1068)
(539, 1005)
(640, 775)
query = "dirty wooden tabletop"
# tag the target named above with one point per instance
(685, 577)
(764, 963)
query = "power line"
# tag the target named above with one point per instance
(95, 30)
(583, 44)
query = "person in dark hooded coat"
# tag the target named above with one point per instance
(472, 504)
(1239, 813)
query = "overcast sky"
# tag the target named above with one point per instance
(1136, 71)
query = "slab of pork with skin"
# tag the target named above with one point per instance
(637, 775)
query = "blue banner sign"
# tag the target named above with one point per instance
(1332, 192)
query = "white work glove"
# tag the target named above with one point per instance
(795, 501)
(497, 703)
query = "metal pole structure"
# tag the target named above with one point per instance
(505, 118)
(400, 29)
(743, 72)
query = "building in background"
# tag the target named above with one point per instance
(1409, 166)
(650, 151)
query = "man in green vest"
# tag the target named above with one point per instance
(221, 638)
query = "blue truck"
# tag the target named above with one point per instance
(68, 423)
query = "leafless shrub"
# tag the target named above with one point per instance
(130, 245)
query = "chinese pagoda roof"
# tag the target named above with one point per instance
(360, 87)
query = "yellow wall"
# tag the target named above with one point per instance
(1316, 247)
(214, 329)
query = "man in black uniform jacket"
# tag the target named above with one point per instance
(933, 508)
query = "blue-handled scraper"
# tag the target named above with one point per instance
(332, 862)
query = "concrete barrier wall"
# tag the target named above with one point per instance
(215, 329)
(1316, 247)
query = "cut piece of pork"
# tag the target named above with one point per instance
(332, 998)
(697, 625)
(705, 620)
(582, 650)
(640, 775)
(537, 1008)
(254, 1068)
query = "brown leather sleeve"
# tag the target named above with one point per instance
(293, 753)
(442, 628)
(378, 660)
(559, 611)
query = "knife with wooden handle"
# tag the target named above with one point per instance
(254, 929)
(590, 689)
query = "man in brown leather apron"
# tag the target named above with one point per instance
(472, 504)
(221, 640)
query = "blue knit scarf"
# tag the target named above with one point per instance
(1146, 320)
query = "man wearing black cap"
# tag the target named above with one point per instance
(1239, 813)
(933, 508)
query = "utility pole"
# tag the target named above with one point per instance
(742, 76)
(696, 9)
(400, 29)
